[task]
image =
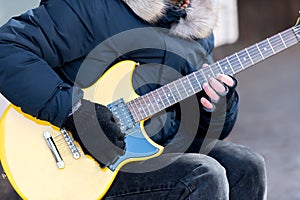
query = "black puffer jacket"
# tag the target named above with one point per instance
(41, 52)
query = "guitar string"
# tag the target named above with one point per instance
(255, 55)
(290, 39)
(236, 61)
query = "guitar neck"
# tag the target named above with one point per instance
(180, 89)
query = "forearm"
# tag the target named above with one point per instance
(32, 46)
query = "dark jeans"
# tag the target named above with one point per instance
(229, 171)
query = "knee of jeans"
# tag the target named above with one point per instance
(254, 164)
(258, 167)
(209, 176)
(216, 173)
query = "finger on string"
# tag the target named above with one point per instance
(211, 93)
(217, 85)
(227, 80)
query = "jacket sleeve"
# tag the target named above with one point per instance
(32, 46)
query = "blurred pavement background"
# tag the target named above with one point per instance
(269, 117)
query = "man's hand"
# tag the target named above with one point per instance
(215, 88)
(94, 127)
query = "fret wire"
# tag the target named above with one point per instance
(162, 96)
(152, 100)
(184, 87)
(239, 60)
(193, 82)
(132, 110)
(141, 107)
(203, 75)
(225, 66)
(172, 93)
(207, 72)
(249, 56)
(155, 103)
(244, 58)
(211, 71)
(277, 43)
(156, 99)
(148, 111)
(168, 94)
(136, 110)
(290, 37)
(265, 48)
(255, 54)
(290, 34)
(220, 67)
(282, 40)
(189, 82)
(148, 103)
(177, 90)
(235, 64)
(270, 45)
(259, 51)
(216, 69)
(194, 73)
(230, 64)
(199, 77)
(165, 95)
(181, 89)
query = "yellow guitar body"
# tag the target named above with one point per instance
(29, 163)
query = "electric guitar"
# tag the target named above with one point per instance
(43, 162)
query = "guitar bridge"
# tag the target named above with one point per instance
(70, 142)
(59, 161)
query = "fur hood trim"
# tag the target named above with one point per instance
(201, 19)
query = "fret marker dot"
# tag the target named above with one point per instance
(189, 90)
(265, 48)
(245, 58)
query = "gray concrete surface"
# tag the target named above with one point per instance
(269, 120)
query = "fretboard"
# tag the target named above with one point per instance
(180, 89)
